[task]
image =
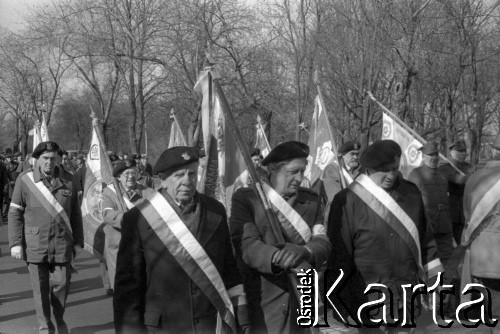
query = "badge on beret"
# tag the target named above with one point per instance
(48, 146)
(186, 156)
(357, 146)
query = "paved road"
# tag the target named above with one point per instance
(89, 309)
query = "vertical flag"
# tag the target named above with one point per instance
(95, 176)
(44, 133)
(176, 136)
(321, 143)
(261, 141)
(411, 157)
(225, 163)
(37, 138)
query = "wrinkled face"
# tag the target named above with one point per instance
(47, 162)
(129, 178)
(287, 178)
(79, 162)
(181, 183)
(351, 159)
(431, 160)
(459, 155)
(386, 176)
(256, 160)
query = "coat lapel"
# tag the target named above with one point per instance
(209, 223)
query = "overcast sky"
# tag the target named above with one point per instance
(11, 11)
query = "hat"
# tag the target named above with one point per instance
(46, 146)
(255, 152)
(380, 153)
(496, 143)
(348, 147)
(175, 157)
(286, 151)
(430, 148)
(458, 145)
(123, 165)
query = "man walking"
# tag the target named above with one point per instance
(45, 230)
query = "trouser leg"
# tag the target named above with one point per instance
(104, 276)
(60, 276)
(40, 281)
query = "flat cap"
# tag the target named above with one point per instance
(255, 151)
(380, 153)
(348, 147)
(175, 157)
(46, 146)
(286, 151)
(458, 145)
(123, 165)
(430, 148)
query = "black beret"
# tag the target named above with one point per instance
(348, 147)
(175, 157)
(46, 146)
(286, 151)
(458, 145)
(123, 165)
(255, 151)
(380, 153)
(429, 148)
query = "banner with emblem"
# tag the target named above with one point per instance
(44, 131)
(261, 141)
(411, 157)
(177, 137)
(321, 143)
(225, 166)
(96, 175)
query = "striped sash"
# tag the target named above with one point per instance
(129, 204)
(190, 255)
(347, 176)
(48, 201)
(391, 213)
(294, 225)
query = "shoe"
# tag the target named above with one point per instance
(109, 292)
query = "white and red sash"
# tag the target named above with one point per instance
(48, 201)
(128, 203)
(348, 178)
(296, 228)
(391, 213)
(189, 254)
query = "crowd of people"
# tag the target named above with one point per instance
(177, 262)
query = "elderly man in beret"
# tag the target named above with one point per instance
(45, 230)
(176, 271)
(263, 262)
(126, 172)
(433, 184)
(458, 154)
(367, 227)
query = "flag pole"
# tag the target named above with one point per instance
(107, 161)
(410, 130)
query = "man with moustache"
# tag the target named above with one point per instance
(433, 184)
(458, 154)
(379, 234)
(45, 230)
(176, 270)
(264, 263)
(126, 172)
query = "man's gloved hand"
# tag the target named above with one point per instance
(16, 252)
(291, 255)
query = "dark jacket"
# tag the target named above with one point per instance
(43, 238)
(272, 308)
(152, 289)
(363, 243)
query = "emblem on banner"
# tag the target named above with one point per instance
(94, 152)
(412, 153)
(387, 130)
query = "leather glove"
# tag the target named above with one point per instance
(16, 252)
(291, 255)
